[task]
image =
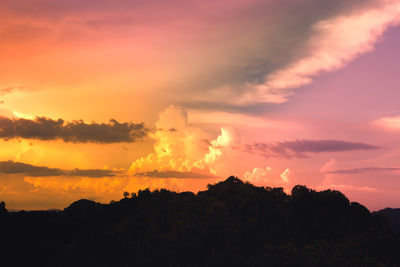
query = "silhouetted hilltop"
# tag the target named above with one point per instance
(393, 216)
(232, 223)
(3, 207)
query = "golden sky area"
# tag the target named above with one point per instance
(98, 98)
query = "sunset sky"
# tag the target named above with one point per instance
(101, 97)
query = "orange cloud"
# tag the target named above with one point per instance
(228, 45)
(268, 177)
(182, 149)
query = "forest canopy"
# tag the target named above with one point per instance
(232, 223)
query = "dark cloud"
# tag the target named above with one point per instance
(364, 170)
(316, 146)
(258, 109)
(172, 129)
(95, 173)
(300, 148)
(12, 167)
(173, 174)
(76, 131)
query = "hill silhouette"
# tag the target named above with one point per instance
(232, 223)
(393, 216)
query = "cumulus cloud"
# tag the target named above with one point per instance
(173, 150)
(269, 177)
(215, 147)
(300, 148)
(182, 150)
(12, 167)
(182, 159)
(43, 128)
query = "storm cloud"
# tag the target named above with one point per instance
(76, 131)
(12, 167)
(300, 148)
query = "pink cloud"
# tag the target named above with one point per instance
(345, 187)
(335, 42)
(301, 148)
(389, 122)
(240, 52)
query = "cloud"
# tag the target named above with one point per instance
(326, 39)
(11, 167)
(269, 177)
(330, 165)
(182, 150)
(177, 150)
(389, 122)
(215, 147)
(95, 173)
(43, 128)
(173, 174)
(177, 162)
(12, 89)
(346, 187)
(332, 181)
(364, 170)
(300, 148)
(335, 42)
(245, 52)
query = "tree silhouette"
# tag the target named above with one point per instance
(3, 209)
(232, 223)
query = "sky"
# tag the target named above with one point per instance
(102, 97)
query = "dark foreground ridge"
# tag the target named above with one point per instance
(231, 224)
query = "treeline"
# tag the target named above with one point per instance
(231, 224)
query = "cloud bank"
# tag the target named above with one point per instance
(364, 170)
(173, 174)
(76, 131)
(12, 167)
(300, 148)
